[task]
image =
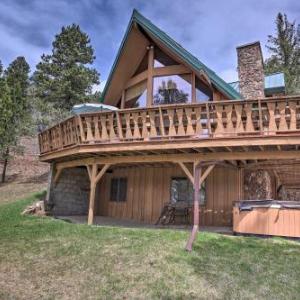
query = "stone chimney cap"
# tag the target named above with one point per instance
(257, 43)
(249, 44)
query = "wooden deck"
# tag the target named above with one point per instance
(182, 128)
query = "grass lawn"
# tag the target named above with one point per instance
(43, 258)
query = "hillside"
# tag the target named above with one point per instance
(25, 173)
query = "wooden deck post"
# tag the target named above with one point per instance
(94, 176)
(197, 182)
(93, 173)
(197, 176)
(150, 76)
(50, 182)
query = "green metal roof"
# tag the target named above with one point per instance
(191, 60)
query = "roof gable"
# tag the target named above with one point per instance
(174, 47)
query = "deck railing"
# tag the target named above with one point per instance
(226, 119)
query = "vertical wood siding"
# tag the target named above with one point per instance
(148, 191)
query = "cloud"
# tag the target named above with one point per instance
(229, 75)
(208, 29)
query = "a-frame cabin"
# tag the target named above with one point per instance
(178, 127)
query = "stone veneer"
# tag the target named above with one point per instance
(251, 71)
(257, 185)
(70, 196)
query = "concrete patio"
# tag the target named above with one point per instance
(113, 222)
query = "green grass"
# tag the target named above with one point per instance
(44, 258)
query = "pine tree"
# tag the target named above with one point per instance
(63, 77)
(13, 106)
(168, 93)
(285, 53)
(17, 78)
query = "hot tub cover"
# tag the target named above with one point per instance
(245, 205)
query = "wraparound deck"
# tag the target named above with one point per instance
(187, 128)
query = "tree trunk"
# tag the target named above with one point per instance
(5, 165)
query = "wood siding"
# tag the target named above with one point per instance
(268, 221)
(149, 190)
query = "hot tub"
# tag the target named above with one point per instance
(267, 217)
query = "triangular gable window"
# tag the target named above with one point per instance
(161, 59)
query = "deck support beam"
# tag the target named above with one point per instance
(56, 176)
(197, 175)
(197, 182)
(94, 176)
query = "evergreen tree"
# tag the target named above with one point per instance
(17, 78)
(13, 106)
(285, 53)
(168, 93)
(63, 77)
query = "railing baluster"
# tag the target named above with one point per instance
(282, 121)
(293, 120)
(153, 132)
(82, 135)
(229, 124)
(239, 127)
(145, 133)
(260, 117)
(180, 130)
(120, 130)
(208, 119)
(171, 115)
(189, 126)
(112, 134)
(161, 122)
(272, 123)
(89, 134)
(220, 127)
(128, 133)
(136, 130)
(104, 134)
(249, 121)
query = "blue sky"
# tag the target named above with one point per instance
(209, 29)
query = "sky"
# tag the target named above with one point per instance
(210, 29)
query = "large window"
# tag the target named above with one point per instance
(172, 89)
(203, 92)
(118, 189)
(136, 96)
(182, 191)
(162, 60)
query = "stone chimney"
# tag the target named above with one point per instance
(251, 70)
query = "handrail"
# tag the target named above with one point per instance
(231, 118)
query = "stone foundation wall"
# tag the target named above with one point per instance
(257, 185)
(288, 194)
(70, 196)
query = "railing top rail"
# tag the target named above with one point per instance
(59, 123)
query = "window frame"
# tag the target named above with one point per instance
(191, 201)
(116, 194)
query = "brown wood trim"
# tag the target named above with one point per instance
(123, 100)
(150, 76)
(137, 79)
(193, 88)
(172, 144)
(189, 157)
(186, 171)
(170, 70)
